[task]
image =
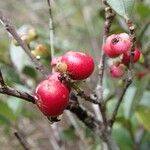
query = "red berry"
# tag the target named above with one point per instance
(126, 57)
(117, 70)
(117, 44)
(107, 48)
(121, 43)
(79, 65)
(53, 97)
(141, 74)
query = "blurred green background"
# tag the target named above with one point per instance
(78, 25)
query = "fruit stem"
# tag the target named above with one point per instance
(109, 15)
(51, 30)
(80, 92)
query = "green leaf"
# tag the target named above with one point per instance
(30, 71)
(122, 7)
(128, 99)
(143, 114)
(143, 10)
(15, 105)
(145, 99)
(5, 111)
(10, 74)
(4, 120)
(122, 137)
(141, 87)
(17, 54)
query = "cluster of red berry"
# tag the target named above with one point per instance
(52, 94)
(119, 45)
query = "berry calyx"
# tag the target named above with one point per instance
(61, 67)
(117, 44)
(126, 57)
(55, 77)
(52, 97)
(117, 71)
(79, 65)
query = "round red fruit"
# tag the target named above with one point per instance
(79, 65)
(117, 44)
(126, 57)
(107, 48)
(117, 71)
(121, 43)
(52, 97)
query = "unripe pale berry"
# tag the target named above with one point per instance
(117, 71)
(32, 34)
(117, 44)
(79, 65)
(41, 50)
(126, 57)
(52, 97)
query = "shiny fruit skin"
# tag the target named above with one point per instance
(79, 65)
(117, 44)
(117, 71)
(126, 57)
(107, 48)
(53, 97)
(121, 43)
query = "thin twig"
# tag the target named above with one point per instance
(132, 35)
(51, 28)
(20, 94)
(80, 92)
(11, 29)
(113, 118)
(4, 89)
(109, 15)
(22, 140)
(2, 82)
(85, 116)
